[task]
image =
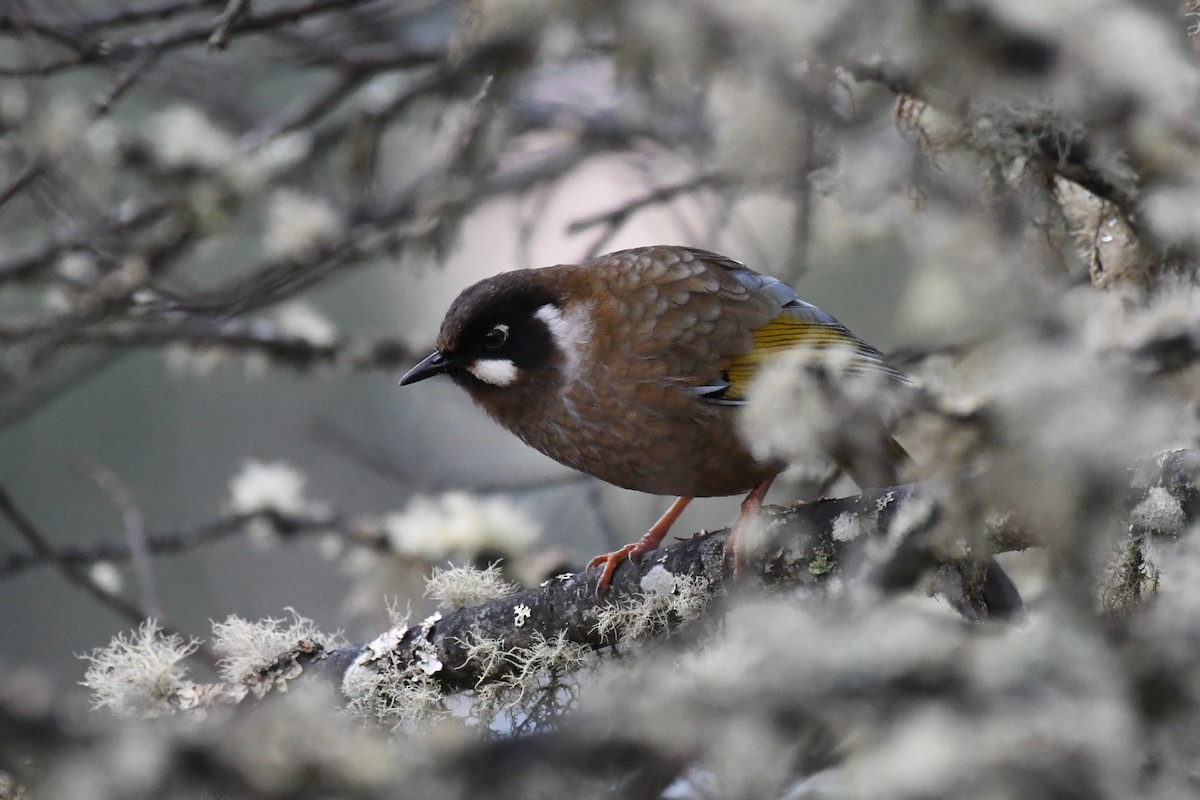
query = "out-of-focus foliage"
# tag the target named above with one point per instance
(183, 174)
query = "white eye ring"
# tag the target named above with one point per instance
(496, 337)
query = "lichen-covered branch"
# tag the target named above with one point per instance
(803, 548)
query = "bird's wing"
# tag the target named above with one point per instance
(775, 320)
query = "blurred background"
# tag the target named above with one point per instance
(227, 228)
(255, 158)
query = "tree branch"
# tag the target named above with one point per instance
(74, 573)
(807, 545)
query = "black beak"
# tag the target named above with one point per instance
(436, 364)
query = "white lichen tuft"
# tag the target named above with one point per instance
(61, 125)
(78, 267)
(331, 546)
(911, 517)
(255, 165)
(835, 402)
(379, 92)
(140, 674)
(846, 527)
(106, 576)
(249, 647)
(488, 655)
(457, 525)
(274, 486)
(396, 697)
(398, 618)
(538, 668)
(185, 360)
(1159, 512)
(546, 655)
(380, 687)
(297, 224)
(459, 587)
(262, 486)
(305, 322)
(183, 136)
(666, 598)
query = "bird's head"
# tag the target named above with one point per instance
(501, 333)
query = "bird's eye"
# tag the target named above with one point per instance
(496, 337)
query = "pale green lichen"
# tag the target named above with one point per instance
(1159, 512)
(249, 647)
(139, 674)
(665, 598)
(460, 587)
(396, 696)
(530, 682)
(820, 564)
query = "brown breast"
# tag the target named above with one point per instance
(651, 323)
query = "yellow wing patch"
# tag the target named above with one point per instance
(787, 333)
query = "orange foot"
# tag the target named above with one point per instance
(646, 544)
(750, 508)
(613, 560)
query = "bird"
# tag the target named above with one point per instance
(634, 366)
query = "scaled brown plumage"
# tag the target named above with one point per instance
(632, 367)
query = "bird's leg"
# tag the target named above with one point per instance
(750, 508)
(650, 541)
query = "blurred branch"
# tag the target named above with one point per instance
(89, 51)
(363, 532)
(124, 81)
(25, 176)
(234, 11)
(242, 336)
(313, 107)
(135, 531)
(1059, 152)
(125, 220)
(807, 545)
(74, 573)
(617, 217)
(614, 220)
(152, 12)
(1102, 211)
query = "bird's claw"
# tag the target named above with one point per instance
(613, 560)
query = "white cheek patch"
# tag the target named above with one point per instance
(571, 332)
(496, 371)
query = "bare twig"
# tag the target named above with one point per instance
(88, 52)
(617, 217)
(27, 175)
(135, 531)
(234, 11)
(155, 12)
(230, 335)
(25, 265)
(312, 108)
(359, 532)
(125, 80)
(75, 574)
